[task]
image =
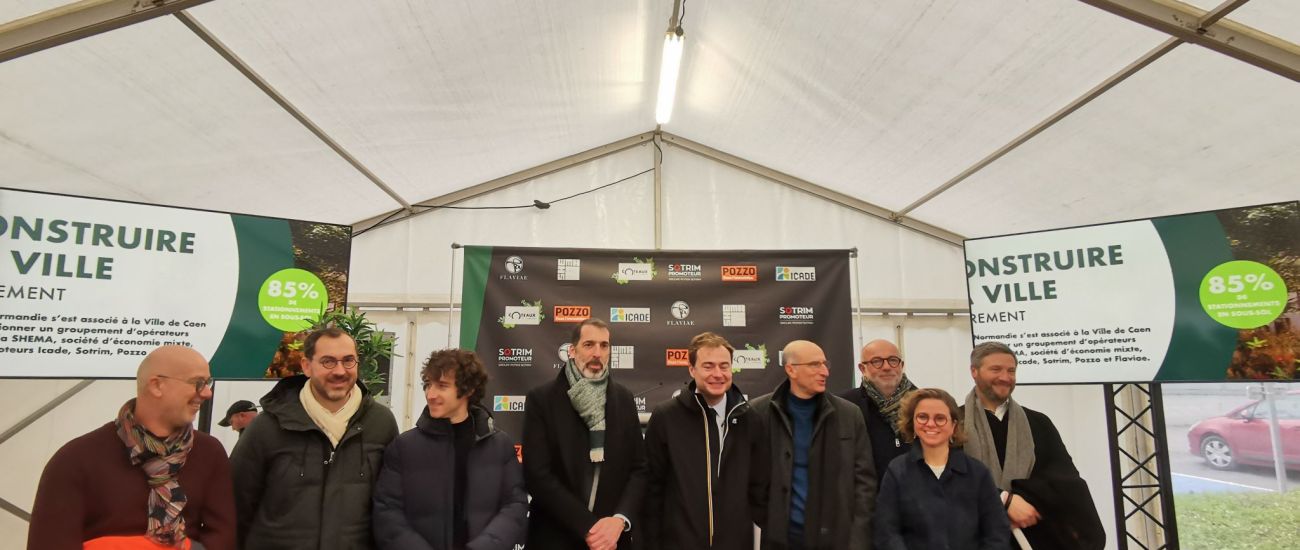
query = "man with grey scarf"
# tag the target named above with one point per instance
(884, 385)
(1047, 502)
(583, 454)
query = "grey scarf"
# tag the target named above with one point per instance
(980, 445)
(587, 395)
(888, 405)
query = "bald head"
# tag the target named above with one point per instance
(169, 361)
(807, 368)
(171, 385)
(798, 351)
(877, 368)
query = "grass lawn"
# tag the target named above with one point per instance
(1246, 521)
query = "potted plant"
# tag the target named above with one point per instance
(373, 346)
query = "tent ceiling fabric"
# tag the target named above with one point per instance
(117, 116)
(882, 101)
(888, 100)
(437, 96)
(1165, 141)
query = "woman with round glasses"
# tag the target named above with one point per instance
(936, 496)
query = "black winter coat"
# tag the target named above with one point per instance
(959, 510)
(678, 513)
(558, 470)
(885, 444)
(413, 508)
(841, 474)
(293, 491)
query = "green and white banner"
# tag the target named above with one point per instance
(88, 286)
(1210, 296)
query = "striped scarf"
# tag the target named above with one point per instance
(161, 460)
(888, 405)
(587, 395)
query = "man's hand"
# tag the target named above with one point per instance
(1021, 513)
(604, 534)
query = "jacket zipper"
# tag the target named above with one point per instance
(708, 462)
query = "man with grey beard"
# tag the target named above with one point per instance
(584, 457)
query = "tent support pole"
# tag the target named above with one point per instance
(659, 190)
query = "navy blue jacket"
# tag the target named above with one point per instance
(413, 506)
(959, 510)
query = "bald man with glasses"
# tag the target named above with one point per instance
(147, 479)
(884, 385)
(823, 481)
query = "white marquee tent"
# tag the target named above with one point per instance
(894, 127)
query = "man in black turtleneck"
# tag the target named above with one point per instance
(823, 479)
(454, 481)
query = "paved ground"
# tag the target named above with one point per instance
(1193, 474)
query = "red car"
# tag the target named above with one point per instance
(1241, 436)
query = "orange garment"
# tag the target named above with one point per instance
(137, 542)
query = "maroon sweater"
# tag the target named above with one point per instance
(90, 489)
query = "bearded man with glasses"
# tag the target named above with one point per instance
(304, 468)
(884, 385)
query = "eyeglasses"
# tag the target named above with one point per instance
(879, 362)
(814, 364)
(200, 384)
(938, 419)
(349, 362)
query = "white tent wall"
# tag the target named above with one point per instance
(25, 454)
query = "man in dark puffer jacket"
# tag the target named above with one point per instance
(707, 463)
(454, 481)
(304, 468)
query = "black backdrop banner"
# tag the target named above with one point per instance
(520, 305)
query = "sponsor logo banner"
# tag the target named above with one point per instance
(684, 272)
(507, 403)
(571, 314)
(740, 273)
(514, 270)
(515, 357)
(568, 269)
(733, 315)
(795, 315)
(622, 357)
(655, 304)
(521, 315)
(677, 358)
(787, 273)
(629, 315)
(749, 359)
(679, 311)
(634, 271)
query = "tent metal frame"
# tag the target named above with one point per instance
(28, 420)
(1144, 503)
(79, 20)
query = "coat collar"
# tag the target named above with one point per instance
(484, 425)
(958, 461)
